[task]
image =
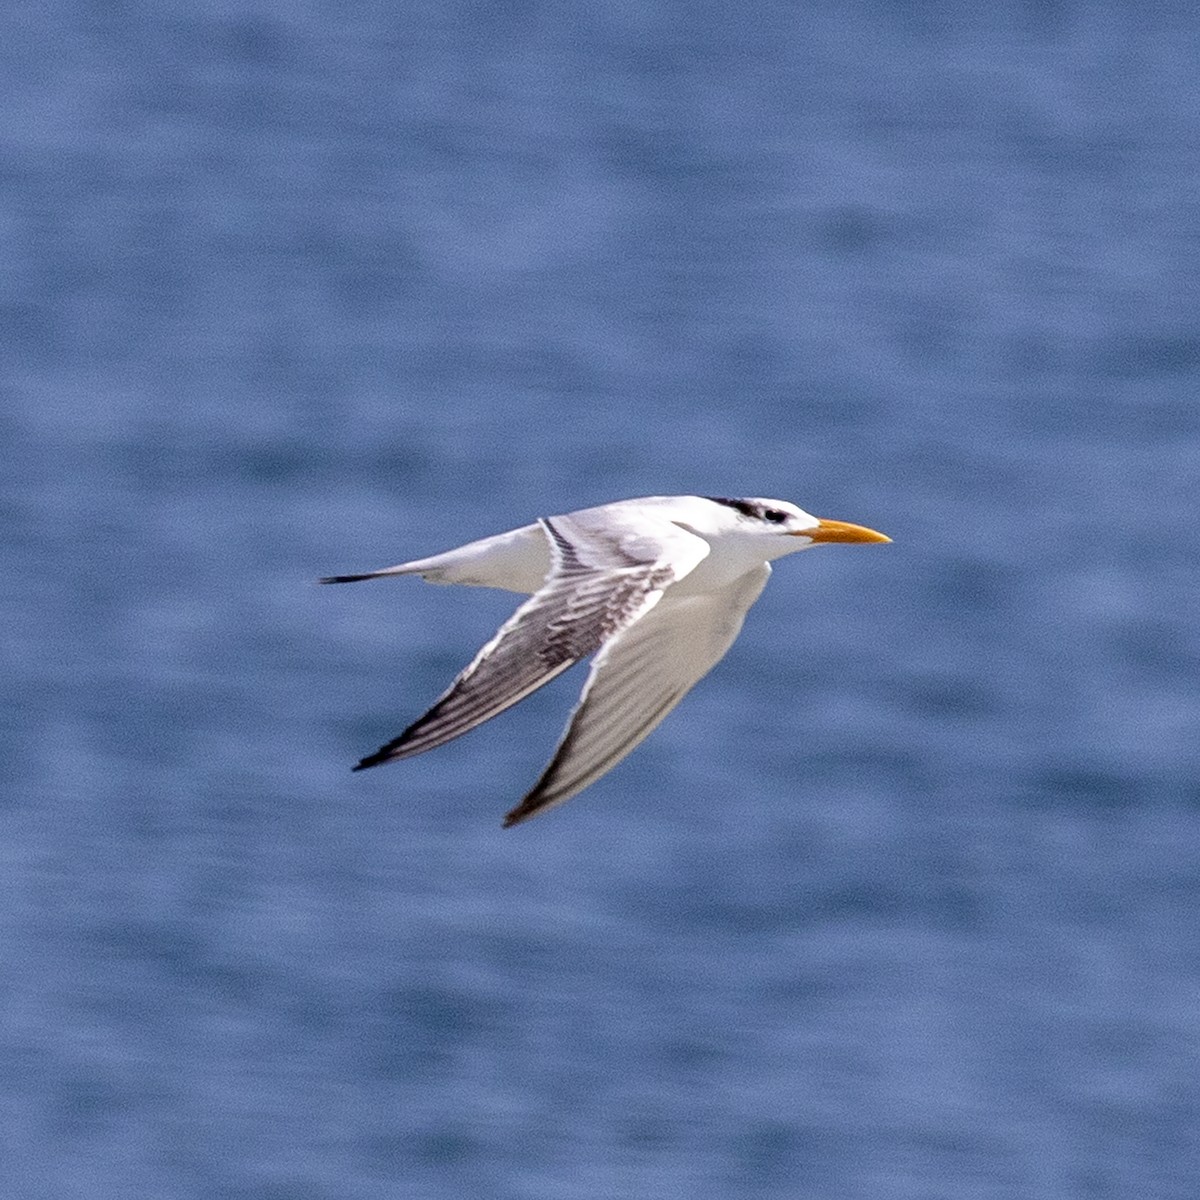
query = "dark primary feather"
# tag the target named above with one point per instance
(624, 733)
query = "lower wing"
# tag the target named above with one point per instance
(635, 680)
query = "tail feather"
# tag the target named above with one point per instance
(402, 569)
(514, 562)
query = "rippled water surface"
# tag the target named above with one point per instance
(902, 902)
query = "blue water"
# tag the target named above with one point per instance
(902, 903)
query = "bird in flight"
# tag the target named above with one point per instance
(656, 588)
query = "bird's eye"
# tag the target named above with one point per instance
(775, 515)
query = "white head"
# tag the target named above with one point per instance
(791, 528)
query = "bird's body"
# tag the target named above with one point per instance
(657, 588)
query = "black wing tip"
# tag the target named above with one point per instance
(373, 760)
(396, 748)
(342, 578)
(530, 806)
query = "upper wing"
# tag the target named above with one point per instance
(604, 575)
(639, 676)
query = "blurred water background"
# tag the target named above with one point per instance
(902, 902)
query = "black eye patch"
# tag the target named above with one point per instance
(746, 507)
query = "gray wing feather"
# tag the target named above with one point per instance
(596, 586)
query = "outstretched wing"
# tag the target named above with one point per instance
(639, 676)
(604, 575)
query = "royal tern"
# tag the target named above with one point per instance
(659, 586)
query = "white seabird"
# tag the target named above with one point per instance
(659, 586)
